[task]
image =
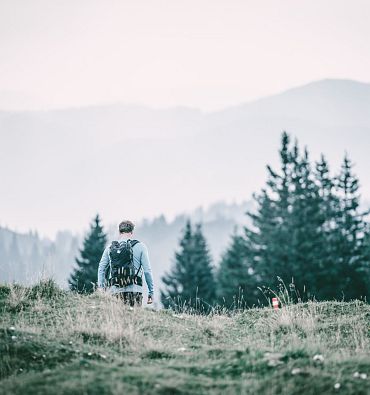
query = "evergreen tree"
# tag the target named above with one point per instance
(350, 238)
(326, 273)
(236, 282)
(84, 276)
(191, 280)
(269, 240)
(305, 223)
(308, 227)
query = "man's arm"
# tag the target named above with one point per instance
(147, 269)
(104, 262)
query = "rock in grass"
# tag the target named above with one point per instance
(318, 358)
(273, 359)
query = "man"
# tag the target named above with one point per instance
(128, 259)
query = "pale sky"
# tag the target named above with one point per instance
(204, 53)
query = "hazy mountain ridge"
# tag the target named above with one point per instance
(172, 159)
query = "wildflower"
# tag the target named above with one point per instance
(356, 375)
(14, 337)
(103, 356)
(20, 369)
(70, 342)
(296, 371)
(337, 386)
(131, 308)
(44, 356)
(363, 376)
(89, 354)
(181, 349)
(12, 328)
(318, 358)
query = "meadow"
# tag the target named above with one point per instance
(58, 342)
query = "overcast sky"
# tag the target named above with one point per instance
(207, 54)
(202, 53)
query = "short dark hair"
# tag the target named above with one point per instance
(126, 227)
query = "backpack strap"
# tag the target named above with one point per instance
(133, 243)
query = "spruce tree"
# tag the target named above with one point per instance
(269, 240)
(305, 226)
(190, 281)
(326, 273)
(236, 282)
(350, 238)
(308, 227)
(85, 274)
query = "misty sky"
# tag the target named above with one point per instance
(202, 53)
(207, 54)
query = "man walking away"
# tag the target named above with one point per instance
(127, 259)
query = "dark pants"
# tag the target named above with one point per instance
(131, 298)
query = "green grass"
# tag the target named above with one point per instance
(55, 342)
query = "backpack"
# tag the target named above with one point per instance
(123, 271)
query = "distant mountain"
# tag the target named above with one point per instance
(137, 162)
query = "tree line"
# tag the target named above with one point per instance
(307, 231)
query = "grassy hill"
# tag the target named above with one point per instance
(56, 342)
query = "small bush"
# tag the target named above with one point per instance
(45, 289)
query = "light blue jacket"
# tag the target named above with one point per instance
(141, 256)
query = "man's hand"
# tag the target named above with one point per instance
(150, 299)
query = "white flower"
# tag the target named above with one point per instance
(318, 358)
(356, 375)
(14, 337)
(363, 376)
(12, 328)
(103, 356)
(89, 354)
(181, 349)
(70, 342)
(337, 386)
(296, 371)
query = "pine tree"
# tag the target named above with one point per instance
(84, 276)
(190, 281)
(326, 273)
(350, 238)
(308, 227)
(204, 273)
(236, 282)
(269, 240)
(305, 225)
